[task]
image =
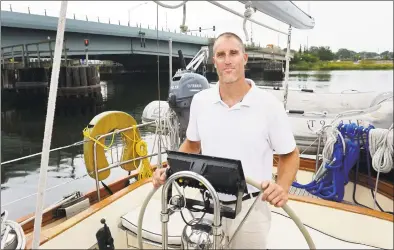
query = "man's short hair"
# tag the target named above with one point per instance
(228, 35)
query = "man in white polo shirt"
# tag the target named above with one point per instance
(237, 120)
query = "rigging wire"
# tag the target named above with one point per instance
(158, 83)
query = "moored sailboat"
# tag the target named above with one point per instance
(122, 212)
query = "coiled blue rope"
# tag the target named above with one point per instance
(332, 185)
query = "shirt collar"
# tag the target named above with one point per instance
(246, 101)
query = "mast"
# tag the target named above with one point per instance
(49, 124)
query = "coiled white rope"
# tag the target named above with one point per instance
(247, 15)
(170, 125)
(183, 27)
(381, 149)
(170, 6)
(8, 226)
(332, 135)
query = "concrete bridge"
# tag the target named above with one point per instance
(30, 35)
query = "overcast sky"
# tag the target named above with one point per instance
(356, 25)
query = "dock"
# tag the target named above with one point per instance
(27, 72)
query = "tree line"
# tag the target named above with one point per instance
(324, 53)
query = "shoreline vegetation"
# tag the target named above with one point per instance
(323, 58)
(342, 65)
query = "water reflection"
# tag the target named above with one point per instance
(315, 76)
(22, 134)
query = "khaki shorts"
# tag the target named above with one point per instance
(253, 233)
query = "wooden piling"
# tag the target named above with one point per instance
(9, 79)
(75, 82)
(62, 77)
(76, 77)
(90, 75)
(83, 77)
(69, 79)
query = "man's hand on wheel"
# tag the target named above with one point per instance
(159, 177)
(274, 194)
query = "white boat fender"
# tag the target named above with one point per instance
(286, 208)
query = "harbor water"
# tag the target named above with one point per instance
(23, 122)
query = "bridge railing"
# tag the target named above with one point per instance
(40, 54)
(91, 18)
(26, 55)
(266, 50)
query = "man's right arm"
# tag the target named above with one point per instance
(188, 146)
(191, 145)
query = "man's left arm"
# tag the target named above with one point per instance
(287, 168)
(283, 143)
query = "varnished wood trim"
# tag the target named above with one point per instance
(344, 207)
(305, 164)
(55, 231)
(384, 188)
(49, 218)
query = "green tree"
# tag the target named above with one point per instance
(345, 54)
(324, 53)
(386, 55)
(308, 57)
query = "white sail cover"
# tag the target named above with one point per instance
(285, 11)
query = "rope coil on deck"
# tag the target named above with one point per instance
(381, 149)
(9, 226)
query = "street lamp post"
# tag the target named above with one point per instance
(133, 8)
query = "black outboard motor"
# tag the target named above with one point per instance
(181, 94)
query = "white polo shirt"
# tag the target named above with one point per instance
(249, 131)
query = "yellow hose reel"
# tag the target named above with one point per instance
(107, 122)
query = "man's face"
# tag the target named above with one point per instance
(229, 59)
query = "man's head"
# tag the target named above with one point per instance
(229, 57)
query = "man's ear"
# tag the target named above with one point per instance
(245, 59)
